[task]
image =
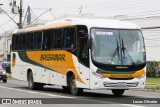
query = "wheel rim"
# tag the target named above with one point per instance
(30, 82)
(73, 86)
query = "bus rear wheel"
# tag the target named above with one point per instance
(118, 92)
(73, 88)
(33, 85)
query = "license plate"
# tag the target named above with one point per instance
(122, 83)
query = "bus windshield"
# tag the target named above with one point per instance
(117, 46)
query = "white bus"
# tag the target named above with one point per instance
(80, 53)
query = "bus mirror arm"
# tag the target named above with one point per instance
(89, 42)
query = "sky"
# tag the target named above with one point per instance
(129, 10)
(106, 8)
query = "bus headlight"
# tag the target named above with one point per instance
(97, 75)
(141, 76)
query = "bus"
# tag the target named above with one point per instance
(80, 53)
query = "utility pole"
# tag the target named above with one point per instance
(20, 15)
(14, 12)
(0, 9)
(17, 10)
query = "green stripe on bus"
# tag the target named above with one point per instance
(23, 56)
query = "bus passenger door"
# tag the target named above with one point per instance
(83, 54)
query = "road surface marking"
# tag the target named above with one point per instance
(51, 95)
(33, 92)
(131, 105)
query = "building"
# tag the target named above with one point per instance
(2, 45)
(5, 43)
(151, 31)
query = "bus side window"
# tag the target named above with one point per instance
(65, 33)
(37, 40)
(22, 42)
(29, 44)
(68, 38)
(53, 39)
(71, 38)
(46, 39)
(59, 38)
(17, 42)
(14, 42)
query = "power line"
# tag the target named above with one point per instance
(122, 7)
(120, 3)
(145, 17)
(143, 12)
(8, 20)
(41, 15)
(113, 9)
(153, 27)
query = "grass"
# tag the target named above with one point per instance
(154, 80)
(153, 83)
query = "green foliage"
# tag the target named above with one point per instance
(153, 69)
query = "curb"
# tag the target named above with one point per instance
(150, 90)
(151, 84)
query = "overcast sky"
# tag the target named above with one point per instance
(130, 8)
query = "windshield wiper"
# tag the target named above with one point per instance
(123, 51)
(116, 51)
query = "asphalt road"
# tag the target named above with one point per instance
(55, 95)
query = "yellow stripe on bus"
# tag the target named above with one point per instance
(59, 61)
(136, 74)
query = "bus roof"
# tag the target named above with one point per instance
(89, 22)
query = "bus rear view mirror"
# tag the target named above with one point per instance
(89, 42)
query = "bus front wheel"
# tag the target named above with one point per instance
(118, 92)
(33, 85)
(73, 88)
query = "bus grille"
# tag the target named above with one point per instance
(122, 85)
(121, 78)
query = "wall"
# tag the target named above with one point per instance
(2, 43)
(151, 37)
(5, 42)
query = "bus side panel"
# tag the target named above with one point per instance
(37, 73)
(55, 77)
(18, 68)
(82, 72)
(84, 75)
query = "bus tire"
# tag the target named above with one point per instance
(73, 88)
(32, 85)
(118, 92)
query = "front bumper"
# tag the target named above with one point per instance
(118, 84)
